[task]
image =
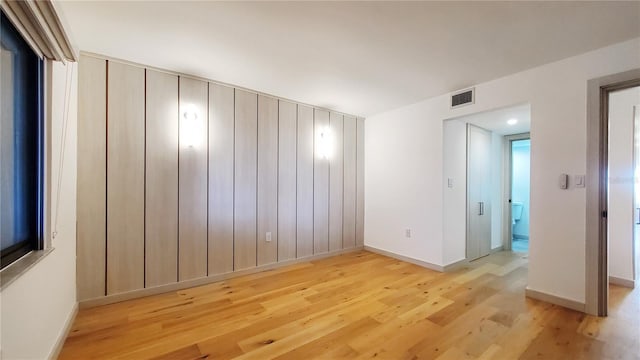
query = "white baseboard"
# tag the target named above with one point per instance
(456, 265)
(424, 264)
(110, 299)
(57, 348)
(622, 282)
(556, 300)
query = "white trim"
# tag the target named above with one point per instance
(556, 300)
(424, 264)
(40, 26)
(622, 282)
(57, 348)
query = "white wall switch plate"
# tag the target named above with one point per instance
(564, 181)
(407, 233)
(268, 237)
(450, 182)
(578, 180)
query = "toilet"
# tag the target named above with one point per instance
(516, 215)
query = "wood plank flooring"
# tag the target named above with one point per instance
(359, 305)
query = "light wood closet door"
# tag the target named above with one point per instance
(321, 182)
(192, 262)
(161, 194)
(360, 183)
(267, 180)
(478, 192)
(349, 209)
(92, 176)
(305, 182)
(246, 141)
(287, 180)
(221, 133)
(336, 181)
(125, 178)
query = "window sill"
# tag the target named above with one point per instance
(20, 267)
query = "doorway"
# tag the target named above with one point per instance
(597, 199)
(519, 190)
(622, 185)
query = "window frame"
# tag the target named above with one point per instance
(39, 241)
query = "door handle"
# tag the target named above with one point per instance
(481, 206)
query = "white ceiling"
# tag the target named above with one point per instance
(496, 120)
(361, 58)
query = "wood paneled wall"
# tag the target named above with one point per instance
(263, 180)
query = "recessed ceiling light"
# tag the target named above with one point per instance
(512, 121)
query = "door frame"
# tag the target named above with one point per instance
(596, 242)
(634, 201)
(508, 143)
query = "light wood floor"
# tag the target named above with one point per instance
(359, 305)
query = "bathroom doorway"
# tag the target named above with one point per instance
(519, 193)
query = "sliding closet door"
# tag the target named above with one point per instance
(321, 182)
(125, 174)
(194, 99)
(246, 141)
(92, 176)
(221, 132)
(287, 180)
(267, 180)
(336, 183)
(349, 209)
(360, 182)
(161, 193)
(305, 182)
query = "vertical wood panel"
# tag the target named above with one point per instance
(92, 167)
(246, 141)
(320, 183)
(349, 212)
(221, 133)
(267, 179)
(287, 134)
(192, 260)
(125, 178)
(336, 182)
(360, 183)
(304, 226)
(161, 181)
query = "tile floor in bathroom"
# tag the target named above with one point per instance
(520, 245)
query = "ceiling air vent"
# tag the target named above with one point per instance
(463, 97)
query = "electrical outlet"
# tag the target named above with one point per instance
(407, 233)
(268, 237)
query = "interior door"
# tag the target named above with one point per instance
(478, 192)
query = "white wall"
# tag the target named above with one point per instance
(404, 152)
(455, 197)
(621, 178)
(36, 307)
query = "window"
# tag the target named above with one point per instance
(21, 146)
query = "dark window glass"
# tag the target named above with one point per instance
(21, 146)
